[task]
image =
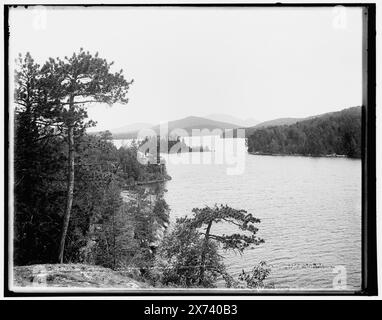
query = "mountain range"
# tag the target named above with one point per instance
(210, 122)
(131, 128)
(185, 124)
(249, 122)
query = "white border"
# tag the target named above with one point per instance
(378, 162)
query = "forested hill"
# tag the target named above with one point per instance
(187, 125)
(332, 133)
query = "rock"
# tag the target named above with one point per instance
(73, 276)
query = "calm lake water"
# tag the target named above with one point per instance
(310, 211)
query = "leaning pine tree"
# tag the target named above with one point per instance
(203, 220)
(72, 84)
(189, 253)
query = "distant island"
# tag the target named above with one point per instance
(174, 144)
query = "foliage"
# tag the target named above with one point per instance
(83, 75)
(255, 279)
(169, 144)
(97, 227)
(161, 211)
(179, 258)
(334, 133)
(38, 171)
(132, 169)
(190, 251)
(128, 238)
(103, 228)
(165, 144)
(50, 102)
(206, 216)
(70, 84)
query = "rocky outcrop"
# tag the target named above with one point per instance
(73, 276)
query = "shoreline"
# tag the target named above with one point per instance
(302, 155)
(141, 183)
(165, 179)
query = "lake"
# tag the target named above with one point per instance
(310, 211)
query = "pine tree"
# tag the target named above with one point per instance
(72, 84)
(191, 247)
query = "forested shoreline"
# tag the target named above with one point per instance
(100, 221)
(332, 134)
(80, 200)
(172, 144)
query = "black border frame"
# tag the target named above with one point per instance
(369, 226)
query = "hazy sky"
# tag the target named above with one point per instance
(263, 63)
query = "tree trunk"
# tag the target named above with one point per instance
(69, 199)
(203, 257)
(114, 243)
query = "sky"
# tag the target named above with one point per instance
(261, 63)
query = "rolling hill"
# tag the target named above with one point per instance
(187, 124)
(249, 130)
(131, 128)
(275, 122)
(333, 133)
(248, 122)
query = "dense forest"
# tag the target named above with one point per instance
(101, 171)
(79, 199)
(336, 133)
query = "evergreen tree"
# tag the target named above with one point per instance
(192, 249)
(73, 83)
(338, 133)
